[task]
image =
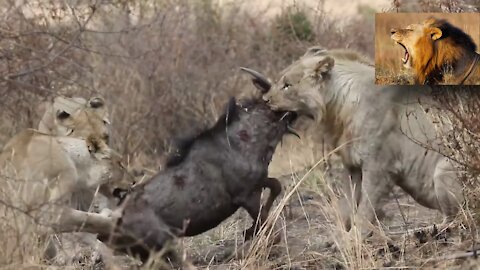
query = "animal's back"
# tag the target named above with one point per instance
(179, 196)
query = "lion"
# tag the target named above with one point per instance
(436, 48)
(52, 174)
(384, 135)
(51, 124)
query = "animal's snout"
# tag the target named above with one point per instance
(98, 143)
(99, 148)
(93, 146)
(106, 137)
(393, 31)
(120, 193)
(266, 99)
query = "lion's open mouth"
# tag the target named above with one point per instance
(407, 55)
(290, 117)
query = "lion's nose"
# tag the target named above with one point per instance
(266, 99)
(393, 31)
(106, 137)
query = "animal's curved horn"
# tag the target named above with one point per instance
(258, 80)
(292, 131)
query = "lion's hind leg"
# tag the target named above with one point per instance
(448, 190)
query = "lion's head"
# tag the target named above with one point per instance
(432, 48)
(88, 120)
(297, 88)
(78, 118)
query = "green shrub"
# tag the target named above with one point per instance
(293, 24)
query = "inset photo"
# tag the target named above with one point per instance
(427, 48)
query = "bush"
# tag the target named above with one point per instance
(293, 24)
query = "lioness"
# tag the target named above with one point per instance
(95, 119)
(53, 125)
(47, 177)
(383, 129)
(435, 48)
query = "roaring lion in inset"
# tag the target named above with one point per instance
(48, 177)
(436, 48)
(385, 134)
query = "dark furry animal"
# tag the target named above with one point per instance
(213, 174)
(182, 146)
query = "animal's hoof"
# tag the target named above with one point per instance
(225, 254)
(188, 266)
(87, 259)
(325, 245)
(115, 214)
(106, 212)
(248, 234)
(275, 238)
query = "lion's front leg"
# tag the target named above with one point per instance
(376, 187)
(72, 220)
(351, 192)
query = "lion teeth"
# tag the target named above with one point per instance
(405, 59)
(284, 115)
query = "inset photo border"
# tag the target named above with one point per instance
(427, 48)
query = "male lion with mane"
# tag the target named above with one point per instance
(436, 48)
(382, 131)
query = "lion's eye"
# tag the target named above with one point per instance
(286, 86)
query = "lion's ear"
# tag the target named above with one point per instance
(324, 66)
(429, 21)
(96, 102)
(435, 33)
(315, 51)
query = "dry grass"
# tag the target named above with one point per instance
(388, 65)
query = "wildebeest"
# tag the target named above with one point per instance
(206, 181)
